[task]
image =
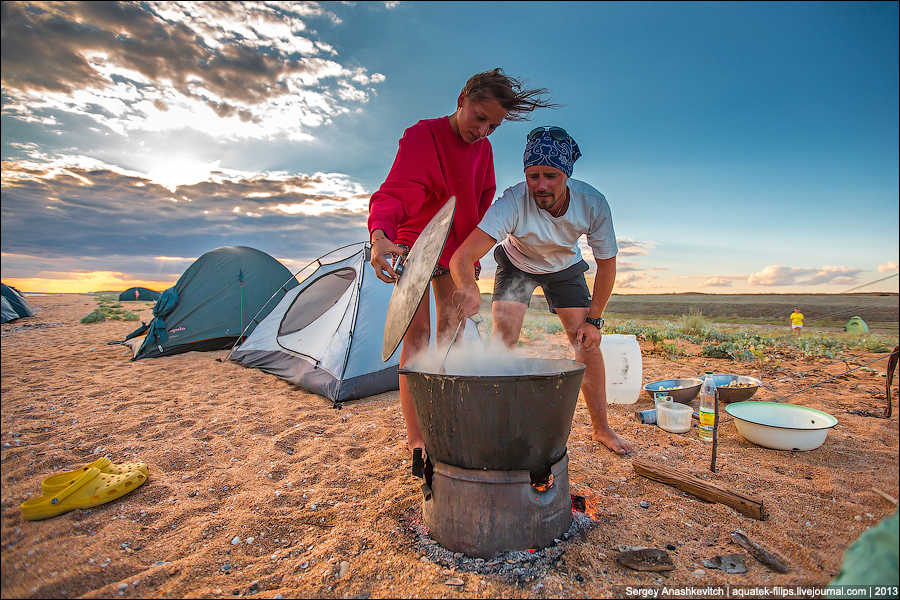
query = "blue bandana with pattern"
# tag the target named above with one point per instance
(559, 154)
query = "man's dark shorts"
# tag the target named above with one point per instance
(563, 289)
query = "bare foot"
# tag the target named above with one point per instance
(608, 438)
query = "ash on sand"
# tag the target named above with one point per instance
(517, 567)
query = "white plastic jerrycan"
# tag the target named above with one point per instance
(624, 376)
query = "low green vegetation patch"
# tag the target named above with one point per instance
(747, 343)
(110, 309)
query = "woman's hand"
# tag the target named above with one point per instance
(381, 248)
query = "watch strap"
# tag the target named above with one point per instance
(598, 323)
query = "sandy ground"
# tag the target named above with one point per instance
(258, 488)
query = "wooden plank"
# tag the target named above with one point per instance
(711, 492)
(758, 552)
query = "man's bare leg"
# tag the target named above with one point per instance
(593, 385)
(508, 317)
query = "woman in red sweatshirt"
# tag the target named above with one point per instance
(437, 159)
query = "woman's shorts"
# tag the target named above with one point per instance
(563, 289)
(438, 269)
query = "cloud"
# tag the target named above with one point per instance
(120, 213)
(227, 69)
(892, 265)
(716, 282)
(627, 247)
(633, 280)
(627, 267)
(779, 275)
(630, 247)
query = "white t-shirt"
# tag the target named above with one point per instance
(538, 243)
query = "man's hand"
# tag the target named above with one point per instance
(588, 337)
(383, 270)
(468, 302)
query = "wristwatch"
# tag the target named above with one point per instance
(598, 323)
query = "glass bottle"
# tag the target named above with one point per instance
(707, 407)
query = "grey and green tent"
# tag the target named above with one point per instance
(325, 336)
(17, 303)
(7, 313)
(212, 303)
(139, 293)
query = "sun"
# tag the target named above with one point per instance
(173, 171)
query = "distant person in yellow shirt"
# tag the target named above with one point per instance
(797, 321)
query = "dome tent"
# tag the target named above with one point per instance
(325, 335)
(212, 302)
(856, 325)
(139, 293)
(17, 303)
(7, 313)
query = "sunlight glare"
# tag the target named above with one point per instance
(173, 171)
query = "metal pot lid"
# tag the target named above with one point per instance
(418, 266)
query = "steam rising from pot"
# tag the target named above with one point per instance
(469, 358)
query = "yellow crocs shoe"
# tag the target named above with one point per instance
(90, 489)
(58, 482)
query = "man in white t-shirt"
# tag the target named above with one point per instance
(538, 224)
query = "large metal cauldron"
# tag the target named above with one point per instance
(498, 414)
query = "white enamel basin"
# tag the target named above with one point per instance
(781, 426)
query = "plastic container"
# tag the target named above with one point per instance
(624, 374)
(674, 417)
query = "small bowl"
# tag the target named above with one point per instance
(688, 391)
(728, 395)
(674, 417)
(781, 426)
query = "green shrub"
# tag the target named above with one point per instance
(533, 331)
(95, 317)
(109, 309)
(692, 324)
(670, 350)
(714, 351)
(553, 327)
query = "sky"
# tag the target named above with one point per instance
(744, 148)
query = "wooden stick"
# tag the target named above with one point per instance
(884, 495)
(759, 553)
(715, 448)
(747, 505)
(892, 364)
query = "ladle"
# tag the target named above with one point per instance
(483, 335)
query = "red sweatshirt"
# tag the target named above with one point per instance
(432, 164)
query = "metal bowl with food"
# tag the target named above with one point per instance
(781, 426)
(735, 388)
(681, 390)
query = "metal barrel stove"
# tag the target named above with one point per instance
(496, 430)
